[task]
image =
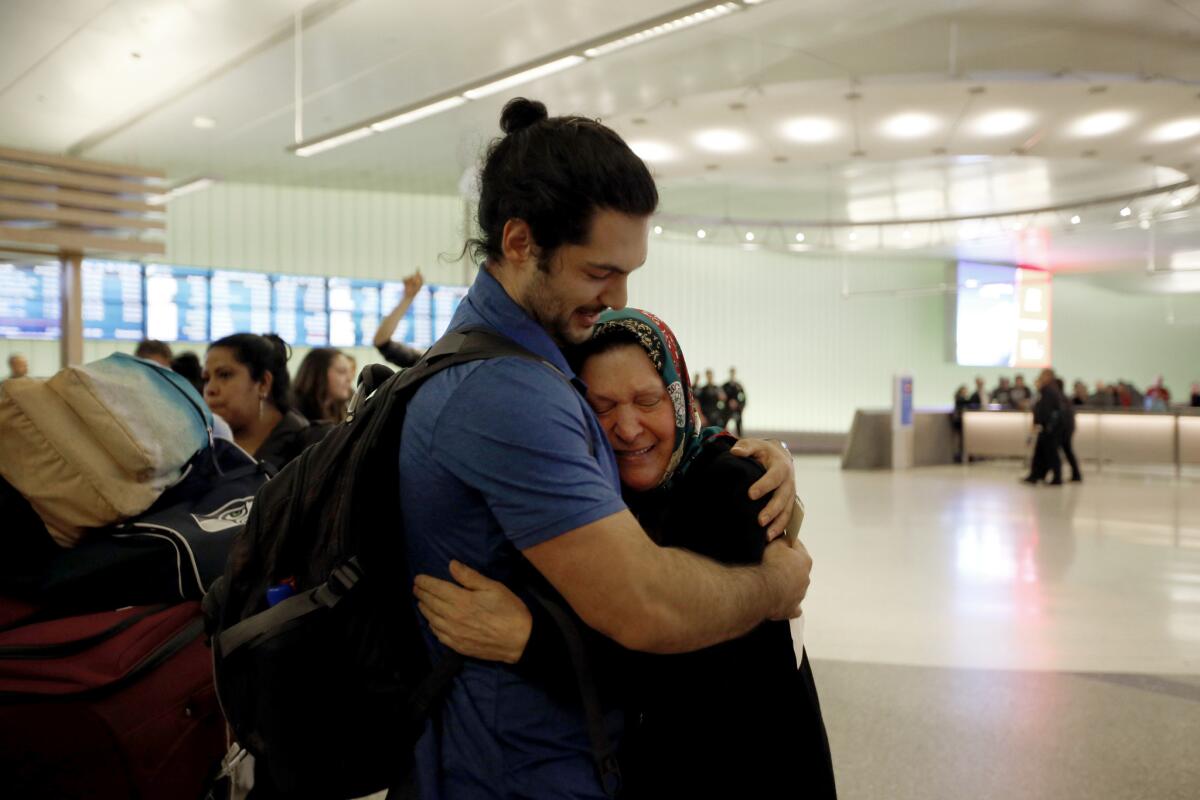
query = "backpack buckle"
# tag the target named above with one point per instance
(344, 577)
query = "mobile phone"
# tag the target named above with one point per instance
(792, 531)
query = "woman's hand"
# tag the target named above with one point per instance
(780, 479)
(413, 284)
(477, 617)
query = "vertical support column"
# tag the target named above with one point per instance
(71, 290)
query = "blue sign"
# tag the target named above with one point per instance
(30, 302)
(177, 303)
(113, 306)
(906, 402)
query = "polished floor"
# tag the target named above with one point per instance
(974, 637)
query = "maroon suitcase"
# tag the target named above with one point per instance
(118, 704)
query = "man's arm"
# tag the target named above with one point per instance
(663, 599)
(412, 285)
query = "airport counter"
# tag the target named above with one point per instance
(1103, 436)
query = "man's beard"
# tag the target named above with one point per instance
(539, 302)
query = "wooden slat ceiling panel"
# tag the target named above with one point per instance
(64, 198)
(70, 216)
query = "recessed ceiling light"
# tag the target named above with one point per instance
(700, 234)
(204, 123)
(810, 130)
(658, 228)
(1075, 220)
(721, 140)
(910, 125)
(1144, 224)
(799, 237)
(1126, 211)
(652, 151)
(1101, 124)
(1002, 123)
(1176, 202)
(1174, 131)
(853, 236)
(749, 237)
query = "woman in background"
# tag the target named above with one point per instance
(324, 385)
(246, 382)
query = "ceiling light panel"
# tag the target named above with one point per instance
(1002, 123)
(418, 113)
(525, 76)
(662, 29)
(1177, 130)
(333, 141)
(721, 140)
(652, 151)
(810, 130)
(910, 125)
(1101, 124)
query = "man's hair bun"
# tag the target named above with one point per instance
(519, 113)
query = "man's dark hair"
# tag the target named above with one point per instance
(188, 365)
(260, 355)
(555, 173)
(149, 348)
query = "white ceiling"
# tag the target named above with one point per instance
(70, 82)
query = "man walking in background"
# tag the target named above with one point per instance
(1068, 431)
(735, 399)
(1047, 422)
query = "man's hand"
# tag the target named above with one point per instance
(479, 618)
(413, 284)
(788, 568)
(780, 479)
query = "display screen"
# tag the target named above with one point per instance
(30, 305)
(240, 303)
(177, 303)
(113, 306)
(354, 312)
(428, 317)
(301, 318)
(1002, 316)
(445, 303)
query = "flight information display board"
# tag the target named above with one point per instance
(177, 303)
(445, 303)
(416, 328)
(301, 317)
(354, 312)
(240, 303)
(113, 306)
(30, 305)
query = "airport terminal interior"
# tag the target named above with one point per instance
(890, 217)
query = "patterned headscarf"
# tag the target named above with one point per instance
(662, 347)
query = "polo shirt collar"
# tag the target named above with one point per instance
(500, 312)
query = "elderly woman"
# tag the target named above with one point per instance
(741, 718)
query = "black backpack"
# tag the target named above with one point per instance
(330, 688)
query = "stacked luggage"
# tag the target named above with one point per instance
(119, 510)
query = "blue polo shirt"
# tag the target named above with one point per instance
(498, 456)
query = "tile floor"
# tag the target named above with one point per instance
(976, 637)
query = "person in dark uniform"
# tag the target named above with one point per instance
(1068, 431)
(980, 398)
(399, 354)
(735, 399)
(737, 719)
(712, 401)
(1047, 421)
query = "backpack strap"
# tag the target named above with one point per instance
(604, 752)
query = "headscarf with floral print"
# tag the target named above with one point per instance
(660, 344)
